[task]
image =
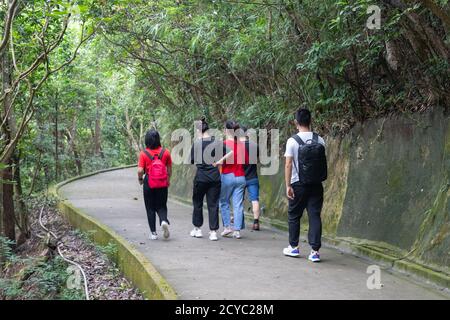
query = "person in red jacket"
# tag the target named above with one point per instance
(232, 181)
(155, 163)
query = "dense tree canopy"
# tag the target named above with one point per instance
(83, 80)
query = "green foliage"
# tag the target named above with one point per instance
(10, 288)
(38, 280)
(6, 252)
(110, 250)
(167, 63)
(259, 62)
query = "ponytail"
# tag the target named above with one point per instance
(201, 125)
(205, 126)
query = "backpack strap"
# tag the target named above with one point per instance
(148, 154)
(298, 139)
(301, 143)
(161, 154)
(315, 137)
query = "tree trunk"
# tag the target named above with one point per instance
(23, 220)
(421, 36)
(47, 176)
(9, 225)
(37, 169)
(97, 130)
(56, 139)
(71, 135)
(392, 54)
(428, 35)
(438, 11)
(133, 141)
(7, 132)
(1, 211)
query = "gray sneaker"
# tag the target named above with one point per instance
(165, 227)
(237, 235)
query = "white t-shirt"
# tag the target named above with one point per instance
(292, 151)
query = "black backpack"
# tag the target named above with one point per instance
(312, 161)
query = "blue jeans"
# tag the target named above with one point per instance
(253, 189)
(232, 189)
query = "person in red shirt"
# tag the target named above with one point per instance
(155, 199)
(232, 181)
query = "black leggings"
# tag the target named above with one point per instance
(155, 202)
(212, 192)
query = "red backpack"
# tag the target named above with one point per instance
(157, 175)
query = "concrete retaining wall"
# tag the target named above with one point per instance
(387, 195)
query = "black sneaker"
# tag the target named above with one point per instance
(256, 225)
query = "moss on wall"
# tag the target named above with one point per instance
(433, 240)
(396, 171)
(336, 184)
(388, 185)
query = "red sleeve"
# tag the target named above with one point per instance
(141, 162)
(167, 159)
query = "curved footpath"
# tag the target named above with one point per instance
(250, 268)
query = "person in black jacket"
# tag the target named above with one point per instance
(206, 182)
(251, 176)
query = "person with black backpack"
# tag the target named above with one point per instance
(156, 163)
(305, 170)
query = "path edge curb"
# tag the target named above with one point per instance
(401, 264)
(132, 263)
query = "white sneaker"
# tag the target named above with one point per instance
(196, 233)
(226, 232)
(213, 236)
(165, 227)
(291, 252)
(237, 234)
(153, 236)
(314, 256)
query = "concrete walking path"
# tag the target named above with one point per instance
(250, 268)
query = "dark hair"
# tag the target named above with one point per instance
(303, 117)
(233, 125)
(205, 126)
(244, 128)
(152, 140)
